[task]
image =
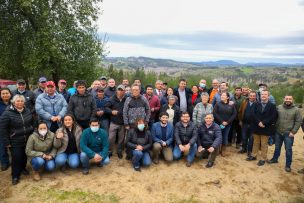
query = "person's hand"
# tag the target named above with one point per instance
(97, 158)
(211, 149)
(291, 134)
(114, 112)
(225, 123)
(9, 146)
(127, 127)
(152, 109)
(48, 157)
(58, 118)
(44, 156)
(261, 124)
(241, 123)
(164, 144)
(187, 148)
(53, 118)
(181, 147)
(200, 149)
(139, 147)
(231, 102)
(59, 135)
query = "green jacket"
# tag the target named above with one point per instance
(289, 119)
(36, 147)
(92, 143)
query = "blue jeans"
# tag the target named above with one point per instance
(288, 142)
(140, 156)
(72, 159)
(225, 134)
(38, 163)
(85, 160)
(104, 124)
(177, 153)
(247, 138)
(4, 158)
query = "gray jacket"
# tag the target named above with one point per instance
(289, 119)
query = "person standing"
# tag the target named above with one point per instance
(5, 101)
(154, 104)
(101, 114)
(185, 134)
(29, 96)
(201, 110)
(264, 118)
(288, 124)
(41, 86)
(184, 95)
(111, 88)
(51, 107)
(117, 129)
(16, 125)
(82, 105)
(61, 90)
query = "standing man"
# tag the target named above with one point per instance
(288, 124)
(135, 107)
(110, 89)
(41, 86)
(185, 134)
(29, 96)
(115, 108)
(125, 82)
(203, 86)
(51, 107)
(103, 81)
(61, 90)
(158, 89)
(82, 105)
(264, 118)
(101, 113)
(183, 94)
(213, 90)
(154, 104)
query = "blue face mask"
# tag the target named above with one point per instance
(202, 85)
(94, 129)
(141, 127)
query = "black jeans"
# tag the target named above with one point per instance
(84, 123)
(19, 160)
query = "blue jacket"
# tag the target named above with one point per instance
(101, 106)
(46, 107)
(209, 137)
(92, 143)
(157, 133)
(3, 106)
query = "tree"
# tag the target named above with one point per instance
(49, 37)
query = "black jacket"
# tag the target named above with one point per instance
(224, 112)
(268, 117)
(184, 135)
(16, 127)
(30, 99)
(188, 97)
(82, 107)
(115, 104)
(133, 140)
(209, 137)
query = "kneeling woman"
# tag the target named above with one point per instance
(139, 144)
(40, 150)
(67, 142)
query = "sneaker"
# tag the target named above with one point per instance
(15, 181)
(36, 176)
(25, 172)
(137, 169)
(156, 161)
(100, 164)
(251, 158)
(119, 154)
(188, 164)
(237, 145)
(261, 163)
(301, 171)
(4, 167)
(272, 161)
(242, 151)
(85, 171)
(288, 169)
(209, 164)
(63, 168)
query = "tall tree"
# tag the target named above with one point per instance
(50, 37)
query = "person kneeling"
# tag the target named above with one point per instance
(162, 134)
(40, 150)
(94, 145)
(139, 142)
(209, 140)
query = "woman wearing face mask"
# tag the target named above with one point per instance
(5, 97)
(16, 125)
(67, 141)
(139, 144)
(40, 150)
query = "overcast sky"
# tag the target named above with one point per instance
(205, 30)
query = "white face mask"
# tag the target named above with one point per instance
(42, 132)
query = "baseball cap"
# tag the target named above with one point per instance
(62, 81)
(50, 83)
(121, 87)
(42, 79)
(103, 78)
(20, 81)
(100, 89)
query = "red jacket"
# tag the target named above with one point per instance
(154, 104)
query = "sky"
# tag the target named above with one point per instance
(205, 30)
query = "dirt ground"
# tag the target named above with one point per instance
(232, 179)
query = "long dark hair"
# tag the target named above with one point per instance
(5, 88)
(74, 125)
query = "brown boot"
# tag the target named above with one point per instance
(36, 175)
(223, 151)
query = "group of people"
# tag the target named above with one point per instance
(54, 127)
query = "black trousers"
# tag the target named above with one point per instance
(19, 160)
(84, 123)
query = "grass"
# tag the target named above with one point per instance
(56, 195)
(247, 70)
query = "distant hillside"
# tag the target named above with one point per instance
(137, 62)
